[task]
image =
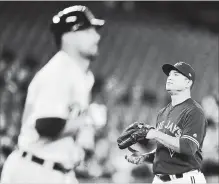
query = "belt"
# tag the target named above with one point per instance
(166, 177)
(169, 177)
(56, 166)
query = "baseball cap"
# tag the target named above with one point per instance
(75, 18)
(182, 67)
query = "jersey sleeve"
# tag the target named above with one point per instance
(52, 100)
(194, 127)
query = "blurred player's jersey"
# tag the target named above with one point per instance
(60, 89)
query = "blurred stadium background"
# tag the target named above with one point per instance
(138, 38)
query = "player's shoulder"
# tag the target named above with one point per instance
(53, 68)
(194, 107)
(49, 75)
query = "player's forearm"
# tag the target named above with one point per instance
(167, 140)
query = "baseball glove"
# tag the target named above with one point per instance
(132, 134)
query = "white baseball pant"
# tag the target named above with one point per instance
(17, 169)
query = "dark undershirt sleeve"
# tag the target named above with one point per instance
(50, 127)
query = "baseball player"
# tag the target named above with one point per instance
(179, 133)
(57, 104)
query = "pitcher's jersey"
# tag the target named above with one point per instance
(60, 89)
(187, 121)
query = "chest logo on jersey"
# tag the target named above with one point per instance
(171, 129)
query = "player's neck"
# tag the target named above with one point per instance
(82, 62)
(180, 97)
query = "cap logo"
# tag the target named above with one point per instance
(179, 63)
(71, 19)
(190, 74)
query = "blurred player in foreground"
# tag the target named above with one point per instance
(57, 104)
(180, 132)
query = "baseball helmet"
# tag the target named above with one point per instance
(74, 18)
